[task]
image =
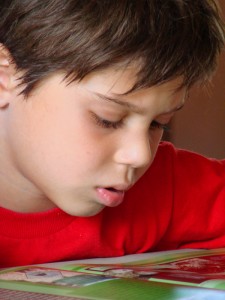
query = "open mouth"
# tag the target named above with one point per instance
(112, 189)
(110, 196)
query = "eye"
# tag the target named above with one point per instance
(106, 123)
(156, 125)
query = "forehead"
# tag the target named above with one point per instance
(112, 85)
(121, 79)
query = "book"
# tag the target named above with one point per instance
(168, 275)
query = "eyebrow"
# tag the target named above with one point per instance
(132, 106)
(175, 109)
(120, 102)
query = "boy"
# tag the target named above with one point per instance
(86, 90)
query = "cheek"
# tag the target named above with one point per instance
(67, 150)
(55, 145)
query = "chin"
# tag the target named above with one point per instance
(84, 211)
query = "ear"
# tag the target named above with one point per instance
(6, 75)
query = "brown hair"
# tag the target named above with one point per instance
(170, 38)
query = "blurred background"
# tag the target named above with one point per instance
(200, 125)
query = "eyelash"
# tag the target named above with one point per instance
(107, 124)
(115, 125)
(157, 125)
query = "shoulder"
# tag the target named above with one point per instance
(179, 174)
(168, 153)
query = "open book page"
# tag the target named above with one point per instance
(171, 275)
(205, 268)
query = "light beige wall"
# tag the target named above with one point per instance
(200, 126)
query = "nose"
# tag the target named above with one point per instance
(134, 151)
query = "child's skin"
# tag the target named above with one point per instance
(80, 138)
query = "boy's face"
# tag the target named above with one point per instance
(80, 146)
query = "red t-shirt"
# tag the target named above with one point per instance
(178, 203)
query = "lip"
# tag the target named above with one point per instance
(110, 197)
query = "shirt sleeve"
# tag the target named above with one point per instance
(198, 214)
